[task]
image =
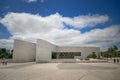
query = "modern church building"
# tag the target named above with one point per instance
(44, 51)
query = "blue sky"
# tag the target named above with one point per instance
(78, 18)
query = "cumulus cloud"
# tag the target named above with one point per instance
(42, 0)
(23, 23)
(52, 28)
(29, 1)
(4, 43)
(27, 23)
(103, 38)
(86, 21)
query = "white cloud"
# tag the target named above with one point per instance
(27, 23)
(4, 43)
(86, 21)
(29, 1)
(30, 27)
(42, 1)
(22, 23)
(103, 37)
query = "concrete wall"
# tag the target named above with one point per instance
(85, 51)
(44, 51)
(24, 51)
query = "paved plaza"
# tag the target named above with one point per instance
(60, 71)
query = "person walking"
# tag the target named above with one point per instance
(5, 62)
(114, 60)
(117, 60)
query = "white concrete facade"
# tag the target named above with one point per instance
(24, 51)
(85, 51)
(42, 51)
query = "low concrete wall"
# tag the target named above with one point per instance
(63, 60)
(77, 61)
(9, 60)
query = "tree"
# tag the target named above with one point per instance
(110, 52)
(105, 54)
(93, 55)
(118, 52)
(3, 50)
(4, 53)
(115, 48)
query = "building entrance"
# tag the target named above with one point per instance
(65, 55)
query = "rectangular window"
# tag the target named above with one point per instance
(65, 55)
